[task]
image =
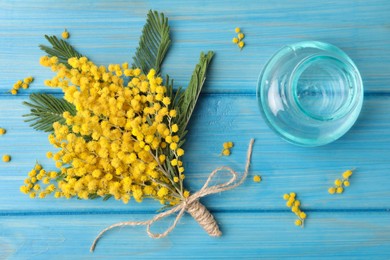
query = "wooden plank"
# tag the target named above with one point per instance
(253, 217)
(219, 118)
(108, 32)
(342, 235)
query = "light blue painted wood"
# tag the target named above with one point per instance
(108, 31)
(246, 235)
(253, 217)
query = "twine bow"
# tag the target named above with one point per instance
(200, 213)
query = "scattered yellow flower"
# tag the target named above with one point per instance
(65, 34)
(237, 30)
(226, 148)
(2, 131)
(256, 178)
(6, 158)
(226, 152)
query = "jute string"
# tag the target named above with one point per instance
(191, 205)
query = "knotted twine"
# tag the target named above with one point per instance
(191, 205)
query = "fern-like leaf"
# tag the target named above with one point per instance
(189, 97)
(61, 49)
(45, 109)
(153, 44)
(174, 95)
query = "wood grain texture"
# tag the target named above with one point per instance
(246, 235)
(108, 32)
(253, 217)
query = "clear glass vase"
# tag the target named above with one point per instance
(310, 93)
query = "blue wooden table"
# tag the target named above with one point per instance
(253, 217)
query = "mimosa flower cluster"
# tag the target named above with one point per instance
(226, 148)
(340, 184)
(122, 141)
(294, 204)
(239, 39)
(24, 84)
